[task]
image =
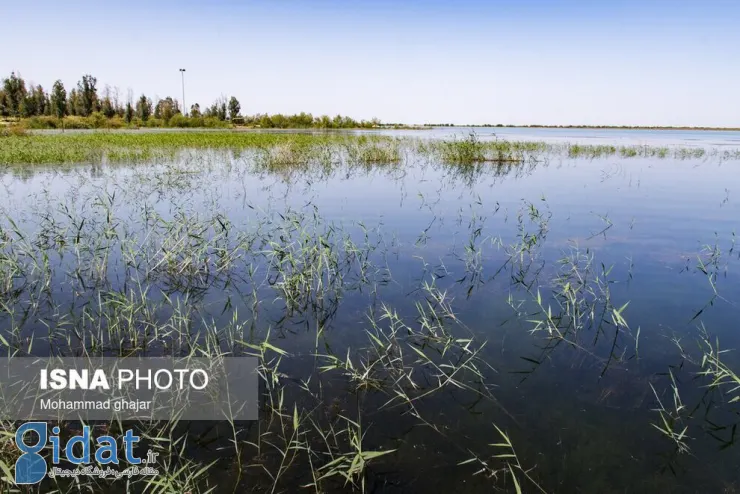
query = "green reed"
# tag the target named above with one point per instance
(290, 149)
(187, 280)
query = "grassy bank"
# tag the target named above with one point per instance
(297, 148)
(99, 121)
(96, 147)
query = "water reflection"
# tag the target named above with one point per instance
(411, 303)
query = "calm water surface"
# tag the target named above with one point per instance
(582, 421)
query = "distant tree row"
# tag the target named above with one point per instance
(21, 100)
(306, 120)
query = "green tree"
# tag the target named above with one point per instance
(14, 88)
(211, 111)
(156, 108)
(128, 114)
(195, 111)
(34, 102)
(234, 108)
(28, 106)
(166, 108)
(106, 107)
(4, 111)
(40, 100)
(88, 95)
(304, 120)
(73, 103)
(144, 108)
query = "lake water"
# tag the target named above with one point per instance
(590, 136)
(414, 239)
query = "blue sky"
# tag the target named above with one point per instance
(650, 62)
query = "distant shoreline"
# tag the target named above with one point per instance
(592, 127)
(92, 123)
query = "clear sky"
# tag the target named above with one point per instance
(642, 62)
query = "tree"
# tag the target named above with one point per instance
(88, 95)
(4, 111)
(34, 102)
(116, 102)
(211, 111)
(73, 103)
(304, 120)
(40, 100)
(28, 106)
(144, 108)
(155, 107)
(128, 114)
(166, 108)
(195, 111)
(106, 106)
(14, 88)
(234, 108)
(218, 109)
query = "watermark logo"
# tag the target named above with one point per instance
(132, 388)
(31, 467)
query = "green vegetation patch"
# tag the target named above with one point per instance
(18, 147)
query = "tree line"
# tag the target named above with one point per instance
(86, 104)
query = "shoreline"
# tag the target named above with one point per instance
(588, 127)
(7, 123)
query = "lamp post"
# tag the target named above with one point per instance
(184, 108)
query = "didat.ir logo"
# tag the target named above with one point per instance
(32, 437)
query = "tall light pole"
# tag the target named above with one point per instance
(184, 108)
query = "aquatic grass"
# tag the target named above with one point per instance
(291, 149)
(471, 149)
(169, 266)
(511, 464)
(672, 419)
(150, 260)
(375, 151)
(133, 146)
(718, 381)
(577, 302)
